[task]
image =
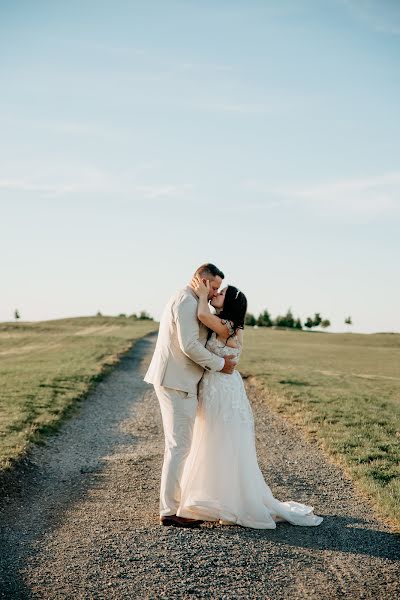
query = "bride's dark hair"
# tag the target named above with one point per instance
(235, 307)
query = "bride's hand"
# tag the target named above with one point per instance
(202, 289)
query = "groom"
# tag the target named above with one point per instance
(176, 368)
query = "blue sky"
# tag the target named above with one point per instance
(140, 139)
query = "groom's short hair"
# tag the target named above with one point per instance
(209, 271)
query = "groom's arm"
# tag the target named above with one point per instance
(188, 335)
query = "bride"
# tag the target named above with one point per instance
(221, 480)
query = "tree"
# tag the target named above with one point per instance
(144, 316)
(298, 324)
(348, 321)
(317, 320)
(16, 314)
(264, 319)
(99, 314)
(325, 323)
(288, 319)
(309, 323)
(122, 315)
(280, 321)
(250, 320)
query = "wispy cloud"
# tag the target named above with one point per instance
(159, 191)
(150, 58)
(75, 128)
(380, 15)
(361, 199)
(65, 127)
(193, 66)
(278, 101)
(92, 181)
(239, 108)
(105, 48)
(23, 185)
(58, 183)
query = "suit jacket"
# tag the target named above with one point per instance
(180, 356)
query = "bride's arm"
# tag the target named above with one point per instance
(203, 311)
(211, 321)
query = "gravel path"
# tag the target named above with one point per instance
(81, 518)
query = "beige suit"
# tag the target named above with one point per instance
(180, 357)
(176, 368)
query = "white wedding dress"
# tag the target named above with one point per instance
(221, 480)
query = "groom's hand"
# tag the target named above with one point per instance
(229, 365)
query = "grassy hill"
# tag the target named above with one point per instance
(344, 391)
(45, 367)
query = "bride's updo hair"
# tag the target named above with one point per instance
(235, 307)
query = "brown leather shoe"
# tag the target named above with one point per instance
(175, 521)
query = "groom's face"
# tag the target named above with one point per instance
(215, 284)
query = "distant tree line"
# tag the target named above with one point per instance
(142, 316)
(264, 319)
(288, 321)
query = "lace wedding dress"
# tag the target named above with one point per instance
(221, 480)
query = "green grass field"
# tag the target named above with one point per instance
(45, 367)
(344, 390)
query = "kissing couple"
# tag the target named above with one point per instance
(210, 470)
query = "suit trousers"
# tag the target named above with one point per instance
(178, 412)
